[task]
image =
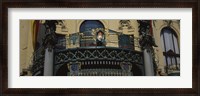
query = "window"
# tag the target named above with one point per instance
(170, 48)
(61, 42)
(126, 41)
(88, 38)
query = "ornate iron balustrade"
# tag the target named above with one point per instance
(38, 66)
(105, 55)
(103, 72)
(98, 53)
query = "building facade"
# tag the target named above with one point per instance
(99, 47)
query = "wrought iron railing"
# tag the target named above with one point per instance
(98, 53)
(38, 65)
(103, 72)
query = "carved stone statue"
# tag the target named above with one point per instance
(146, 40)
(50, 38)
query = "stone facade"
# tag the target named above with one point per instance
(71, 31)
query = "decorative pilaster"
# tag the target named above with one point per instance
(147, 42)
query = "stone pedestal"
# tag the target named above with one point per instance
(48, 63)
(148, 63)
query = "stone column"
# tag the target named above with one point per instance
(48, 43)
(148, 63)
(48, 63)
(147, 42)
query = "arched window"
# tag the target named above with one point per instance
(170, 48)
(89, 37)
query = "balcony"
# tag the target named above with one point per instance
(92, 58)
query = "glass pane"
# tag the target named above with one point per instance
(88, 25)
(171, 41)
(173, 61)
(176, 45)
(169, 61)
(167, 40)
(61, 44)
(178, 60)
(124, 42)
(165, 63)
(162, 42)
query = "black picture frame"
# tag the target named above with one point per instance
(194, 4)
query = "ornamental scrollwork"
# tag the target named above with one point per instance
(146, 39)
(50, 38)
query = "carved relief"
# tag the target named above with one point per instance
(146, 39)
(125, 24)
(168, 22)
(61, 27)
